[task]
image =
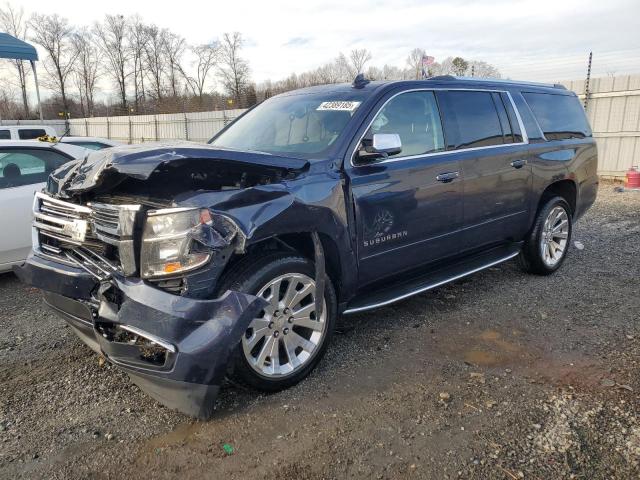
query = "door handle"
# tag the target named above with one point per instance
(447, 177)
(518, 163)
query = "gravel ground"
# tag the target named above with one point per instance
(500, 375)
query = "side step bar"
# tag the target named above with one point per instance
(433, 279)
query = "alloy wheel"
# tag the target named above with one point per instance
(287, 333)
(555, 235)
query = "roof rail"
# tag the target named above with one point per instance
(496, 80)
(444, 77)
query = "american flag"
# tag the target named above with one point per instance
(426, 61)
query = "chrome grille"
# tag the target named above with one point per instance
(114, 224)
(85, 234)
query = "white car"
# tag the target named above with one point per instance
(24, 169)
(25, 132)
(92, 143)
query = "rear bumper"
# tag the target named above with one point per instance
(174, 348)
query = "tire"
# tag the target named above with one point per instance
(548, 229)
(248, 364)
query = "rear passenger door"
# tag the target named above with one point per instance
(484, 128)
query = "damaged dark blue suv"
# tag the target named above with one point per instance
(185, 263)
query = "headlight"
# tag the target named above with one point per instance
(169, 243)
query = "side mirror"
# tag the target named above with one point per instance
(381, 145)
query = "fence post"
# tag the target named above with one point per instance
(587, 81)
(186, 127)
(108, 129)
(155, 126)
(130, 132)
(86, 128)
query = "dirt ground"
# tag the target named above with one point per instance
(501, 375)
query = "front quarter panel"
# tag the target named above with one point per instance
(310, 203)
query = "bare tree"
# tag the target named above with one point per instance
(137, 37)
(414, 62)
(111, 37)
(54, 34)
(234, 71)
(207, 56)
(154, 59)
(174, 50)
(483, 69)
(359, 58)
(13, 22)
(85, 73)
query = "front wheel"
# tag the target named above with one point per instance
(547, 244)
(287, 339)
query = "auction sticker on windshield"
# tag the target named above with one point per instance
(339, 105)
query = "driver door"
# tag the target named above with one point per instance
(408, 205)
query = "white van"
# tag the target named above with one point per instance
(25, 132)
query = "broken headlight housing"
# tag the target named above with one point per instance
(174, 241)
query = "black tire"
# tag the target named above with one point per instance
(249, 276)
(531, 257)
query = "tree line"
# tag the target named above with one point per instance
(154, 70)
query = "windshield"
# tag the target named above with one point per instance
(303, 126)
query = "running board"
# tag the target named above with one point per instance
(433, 279)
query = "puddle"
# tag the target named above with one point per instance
(490, 348)
(179, 435)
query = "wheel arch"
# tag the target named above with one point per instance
(566, 189)
(303, 244)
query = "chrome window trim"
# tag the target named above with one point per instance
(525, 137)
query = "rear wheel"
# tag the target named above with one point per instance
(546, 247)
(287, 339)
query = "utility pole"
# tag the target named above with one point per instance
(586, 82)
(473, 70)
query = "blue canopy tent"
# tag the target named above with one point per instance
(14, 49)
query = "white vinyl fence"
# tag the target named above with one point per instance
(195, 127)
(613, 109)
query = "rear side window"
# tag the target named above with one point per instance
(5, 135)
(30, 133)
(559, 116)
(513, 119)
(26, 166)
(471, 120)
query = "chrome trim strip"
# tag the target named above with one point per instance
(429, 287)
(62, 204)
(525, 137)
(137, 331)
(164, 211)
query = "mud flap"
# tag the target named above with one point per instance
(319, 261)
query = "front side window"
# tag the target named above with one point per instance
(5, 135)
(300, 125)
(559, 116)
(30, 133)
(472, 120)
(415, 117)
(27, 166)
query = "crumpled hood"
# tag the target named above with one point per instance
(141, 161)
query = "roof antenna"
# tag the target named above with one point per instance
(360, 81)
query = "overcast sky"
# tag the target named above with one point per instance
(536, 40)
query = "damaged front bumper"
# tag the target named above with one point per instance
(173, 347)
